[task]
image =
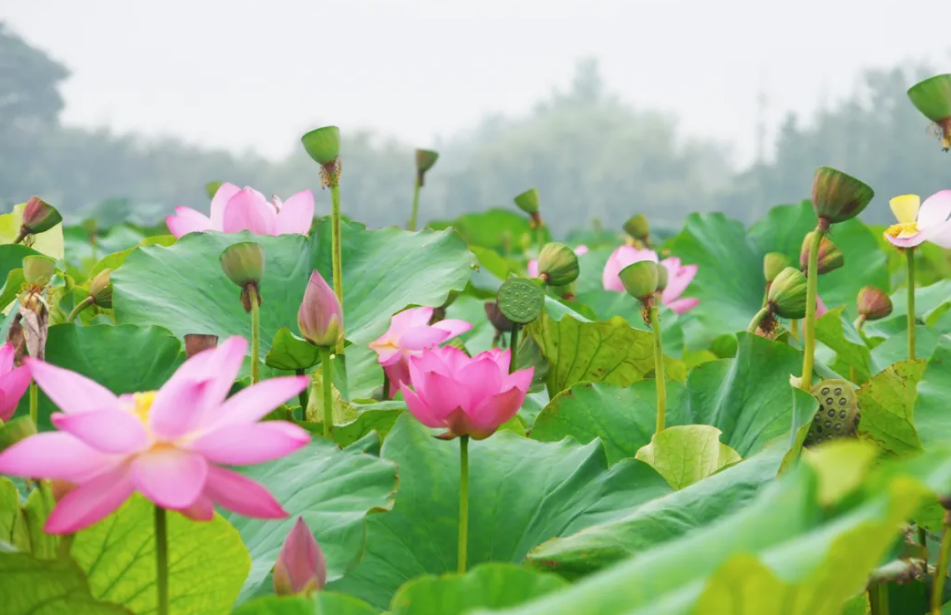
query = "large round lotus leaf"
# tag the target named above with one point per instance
(55, 586)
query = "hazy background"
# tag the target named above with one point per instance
(609, 107)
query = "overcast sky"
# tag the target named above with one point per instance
(257, 73)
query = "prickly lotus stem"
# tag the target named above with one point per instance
(838, 415)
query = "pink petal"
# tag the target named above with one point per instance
(497, 409)
(433, 360)
(253, 403)
(107, 431)
(683, 305)
(248, 210)
(398, 374)
(71, 392)
(522, 380)
(296, 214)
(581, 250)
(419, 409)
(219, 202)
(170, 477)
(419, 338)
(454, 327)
(442, 394)
(935, 209)
(241, 495)
(186, 221)
(7, 354)
(907, 242)
(619, 259)
(406, 318)
(13, 385)
(202, 510)
(678, 278)
(90, 502)
(533, 269)
(386, 354)
(55, 455)
(482, 378)
(242, 444)
(502, 357)
(941, 235)
(420, 317)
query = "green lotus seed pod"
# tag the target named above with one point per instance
(243, 263)
(662, 275)
(638, 227)
(873, 303)
(838, 197)
(39, 216)
(830, 257)
(521, 300)
(322, 144)
(38, 269)
(773, 264)
(932, 97)
(425, 159)
(838, 415)
(528, 201)
(787, 294)
(100, 289)
(640, 279)
(558, 264)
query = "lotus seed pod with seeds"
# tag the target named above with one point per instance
(932, 97)
(38, 269)
(640, 279)
(100, 289)
(838, 415)
(322, 144)
(873, 303)
(830, 257)
(243, 263)
(558, 264)
(528, 201)
(638, 227)
(773, 264)
(39, 217)
(837, 196)
(787, 294)
(521, 300)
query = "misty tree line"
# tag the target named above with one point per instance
(590, 155)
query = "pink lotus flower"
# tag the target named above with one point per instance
(533, 264)
(168, 445)
(468, 396)
(13, 382)
(919, 222)
(409, 334)
(320, 317)
(236, 209)
(301, 567)
(678, 276)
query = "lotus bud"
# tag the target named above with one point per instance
(638, 227)
(873, 303)
(830, 257)
(323, 145)
(197, 342)
(320, 317)
(838, 415)
(38, 217)
(211, 189)
(787, 294)
(773, 264)
(497, 318)
(38, 269)
(425, 159)
(100, 289)
(301, 568)
(558, 264)
(640, 280)
(243, 263)
(932, 97)
(838, 197)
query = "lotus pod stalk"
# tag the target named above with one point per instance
(529, 202)
(558, 265)
(320, 319)
(425, 159)
(830, 257)
(641, 280)
(932, 97)
(243, 263)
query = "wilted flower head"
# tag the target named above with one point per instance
(169, 445)
(320, 317)
(409, 334)
(919, 222)
(469, 396)
(837, 196)
(679, 276)
(301, 567)
(235, 209)
(873, 303)
(39, 216)
(787, 294)
(830, 257)
(13, 382)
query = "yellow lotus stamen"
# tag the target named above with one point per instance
(902, 230)
(905, 207)
(142, 403)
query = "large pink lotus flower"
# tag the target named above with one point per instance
(919, 222)
(169, 445)
(469, 396)
(235, 209)
(13, 382)
(533, 264)
(678, 276)
(409, 334)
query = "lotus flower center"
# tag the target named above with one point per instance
(142, 403)
(903, 230)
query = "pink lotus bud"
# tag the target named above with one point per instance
(39, 216)
(320, 317)
(301, 567)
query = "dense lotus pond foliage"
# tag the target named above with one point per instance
(249, 409)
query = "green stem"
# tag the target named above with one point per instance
(34, 404)
(541, 237)
(513, 344)
(659, 369)
(161, 559)
(412, 219)
(327, 370)
(794, 329)
(386, 386)
(255, 335)
(82, 305)
(910, 254)
(812, 290)
(878, 598)
(302, 397)
(754, 324)
(463, 501)
(335, 247)
(937, 583)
